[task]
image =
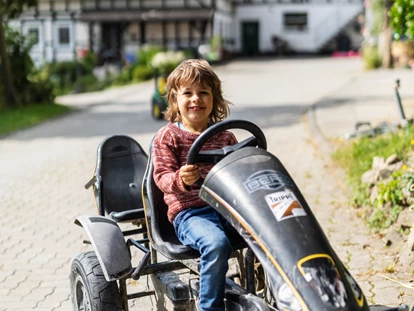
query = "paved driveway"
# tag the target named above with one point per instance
(43, 170)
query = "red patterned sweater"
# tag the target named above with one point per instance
(169, 152)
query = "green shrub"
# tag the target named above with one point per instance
(125, 76)
(64, 75)
(142, 73)
(36, 90)
(89, 61)
(371, 57)
(389, 202)
(85, 83)
(105, 83)
(402, 18)
(165, 62)
(216, 43)
(383, 218)
(147, 53)
(39, 92)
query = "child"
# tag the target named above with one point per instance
(195, 101)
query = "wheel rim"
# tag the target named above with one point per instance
(81, 295)
(156, 111)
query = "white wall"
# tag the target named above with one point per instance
(223, 27)
(223, 6)
(322, 20)
(81, 35)
(48, 47)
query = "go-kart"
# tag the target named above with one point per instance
(158, 101)
(283, 259)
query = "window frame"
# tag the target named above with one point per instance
(68, 34)
(297, 27)
(58, 25)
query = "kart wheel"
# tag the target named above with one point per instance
(259, 276)
(263, 288)
(89, 289)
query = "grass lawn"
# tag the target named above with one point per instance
(356, 156)
(22, 117)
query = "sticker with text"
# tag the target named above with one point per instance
(284, 205)
(266, 180)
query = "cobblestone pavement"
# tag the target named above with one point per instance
(43, 170)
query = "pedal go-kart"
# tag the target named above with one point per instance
(158, 101)
(284, 260)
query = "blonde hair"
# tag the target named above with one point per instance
(189, 72)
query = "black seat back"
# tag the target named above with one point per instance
(161, 230)
(120, 168)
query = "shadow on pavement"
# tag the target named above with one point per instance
(107, 120)
(135, 118)
(385, 308)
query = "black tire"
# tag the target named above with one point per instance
(89, 289)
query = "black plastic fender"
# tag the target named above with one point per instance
(109, 244)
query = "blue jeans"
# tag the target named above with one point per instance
(206, 231)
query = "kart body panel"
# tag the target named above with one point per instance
(256, 194)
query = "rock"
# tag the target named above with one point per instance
(369, 177)
(406, 252)
(405, 219)
(392, 159)
(373, 194)
(384, 173)
(378, 163)
(395, 166)
(406, 193)
(393, 239)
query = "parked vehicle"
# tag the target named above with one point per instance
(158, 102)
(284, 259)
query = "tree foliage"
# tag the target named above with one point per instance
(35, 89)
(13, 8)
(402, 18)
(9, 9)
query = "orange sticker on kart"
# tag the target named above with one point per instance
(284, 205)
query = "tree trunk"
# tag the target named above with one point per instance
(387, 55)
(9, 92)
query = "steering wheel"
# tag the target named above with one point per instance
(213, 156)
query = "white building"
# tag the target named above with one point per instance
(64, 28)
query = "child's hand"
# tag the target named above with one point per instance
(189, 174)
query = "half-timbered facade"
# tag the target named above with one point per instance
(113, 28)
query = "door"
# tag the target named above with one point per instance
(250, 38)
(111, 42)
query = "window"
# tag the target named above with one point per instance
(33, 34)
(63, 36)
(295, 21)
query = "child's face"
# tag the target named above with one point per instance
(195, 103)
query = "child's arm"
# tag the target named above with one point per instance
(167, 174)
